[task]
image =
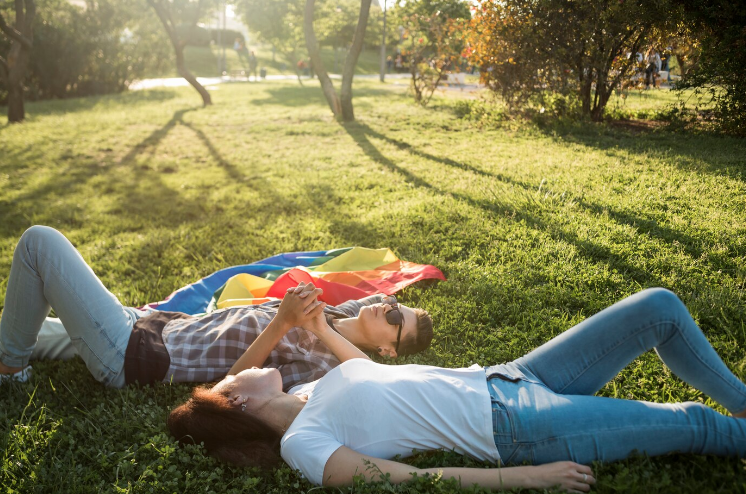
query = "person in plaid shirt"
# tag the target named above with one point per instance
(123, 345)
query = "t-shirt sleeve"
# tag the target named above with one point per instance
(309, 452)
(352, 307)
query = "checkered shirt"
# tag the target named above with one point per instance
(204, 348)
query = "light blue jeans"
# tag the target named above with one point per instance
(543, 405)
(47, 271)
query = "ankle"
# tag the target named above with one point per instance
(740, 415)
(4, 369)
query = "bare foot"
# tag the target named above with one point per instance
(741, 415)
(4, 369)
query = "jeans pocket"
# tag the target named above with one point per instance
(516, 454)
(506, 441)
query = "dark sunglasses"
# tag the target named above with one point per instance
(394, 317)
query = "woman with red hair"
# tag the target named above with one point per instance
(539, 409)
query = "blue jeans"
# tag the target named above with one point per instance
(47, 271)
(543, 405)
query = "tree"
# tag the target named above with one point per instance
(436, 31)
(585, 47)
(719, 29)
(13, 67)
(193, 11)
(341, 105)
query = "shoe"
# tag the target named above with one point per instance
(21, 376)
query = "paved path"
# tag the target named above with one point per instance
(211, 81)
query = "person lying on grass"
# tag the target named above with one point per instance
(539, 409)
(122, 345)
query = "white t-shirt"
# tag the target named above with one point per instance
(388, 410)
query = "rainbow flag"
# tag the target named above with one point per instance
(344, 274)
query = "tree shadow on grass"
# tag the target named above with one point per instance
(696, 152)
(194, 208)
(297, 96)
(140, 193)
(127, 99)
(361, 134)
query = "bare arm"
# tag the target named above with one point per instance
(338, 344)
(296, 309)
(345, 463)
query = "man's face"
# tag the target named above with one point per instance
(380, 333)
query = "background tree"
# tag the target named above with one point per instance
(278, 23)
(97, 48)
(341, 105)
(190, 11)
(13, 66)
(719, 29)
(435, 31)
(584, 47)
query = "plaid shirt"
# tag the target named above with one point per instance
(203, 349)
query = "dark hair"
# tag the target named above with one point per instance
(227, 433)
(422, 337)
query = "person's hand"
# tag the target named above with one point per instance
(317, 325)
(569, 476)
(300, 304)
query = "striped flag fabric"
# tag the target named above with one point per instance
(344, 274)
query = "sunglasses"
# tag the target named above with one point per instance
(394, 317)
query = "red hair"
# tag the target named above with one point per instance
(227, 433)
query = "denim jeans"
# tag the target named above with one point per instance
(47, 271)
(543, 405)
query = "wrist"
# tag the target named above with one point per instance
(282, 323)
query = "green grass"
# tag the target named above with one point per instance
(535, 229)
(203, 61)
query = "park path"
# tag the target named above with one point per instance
(211, 81)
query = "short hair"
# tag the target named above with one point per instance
(227, 434)
(422, 337)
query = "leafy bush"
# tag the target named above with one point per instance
(96, 50)
(227, 36)
(194, 35)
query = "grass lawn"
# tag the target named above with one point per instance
(535, 229)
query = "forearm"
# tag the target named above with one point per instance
(491, 478)
(259, 350)
(339, 345)
(345, 464)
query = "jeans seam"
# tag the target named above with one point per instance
(83, 306)
(636, 428)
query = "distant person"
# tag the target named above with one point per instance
(241, 51)
(253, 63)
(666, 62)
(389, 64)
(652, 67)
(302, 67)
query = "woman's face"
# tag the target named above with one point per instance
(254, 387)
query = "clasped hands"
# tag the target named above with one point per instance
(301, 308)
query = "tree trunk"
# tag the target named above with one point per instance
(348, 72)
(184, 72)
(585, 95)
(13, 70)
(313, 51)
(16, 112)
(164, 14)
